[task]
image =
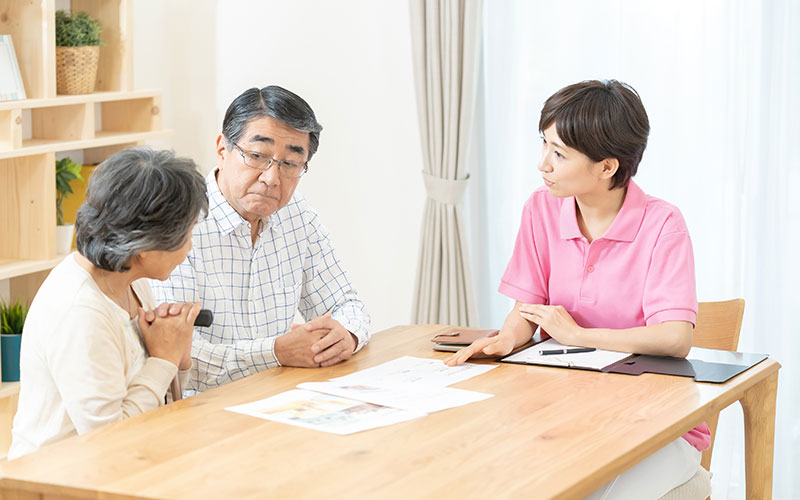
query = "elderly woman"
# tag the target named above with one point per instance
(93, 352)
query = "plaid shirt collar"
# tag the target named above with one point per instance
(225, 215)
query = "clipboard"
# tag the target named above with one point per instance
(703, 365)
(597, 360)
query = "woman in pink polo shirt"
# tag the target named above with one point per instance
(599, 263)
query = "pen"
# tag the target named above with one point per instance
(566, 351)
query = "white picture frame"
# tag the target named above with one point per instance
(11, 86)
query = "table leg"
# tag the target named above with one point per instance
(758, 405)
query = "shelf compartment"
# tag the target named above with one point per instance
(32, 29)
(28, 207)
(93, 156)
(67, 123)
(130, 115)
(63, 123)
(31, 25)
(115, 67)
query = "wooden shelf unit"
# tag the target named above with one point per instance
(33, 130)
(31, 24)
(112, 118)
(11, 268)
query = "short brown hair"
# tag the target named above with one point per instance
(601, 119)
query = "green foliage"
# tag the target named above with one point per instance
(66, 172)
(12, 317)
(76, 30)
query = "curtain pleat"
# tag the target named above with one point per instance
(446, 46)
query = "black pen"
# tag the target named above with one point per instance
(566, 351)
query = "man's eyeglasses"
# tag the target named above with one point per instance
(260, 161)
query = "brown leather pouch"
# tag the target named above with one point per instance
(456, 338)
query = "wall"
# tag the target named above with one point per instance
(175, 50)
(351, 60)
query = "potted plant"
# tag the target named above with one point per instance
(77, 52)
(66, 172)
(12, 319)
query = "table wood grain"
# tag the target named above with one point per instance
(546, 433)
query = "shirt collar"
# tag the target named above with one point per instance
(626, 224)
(226, 216)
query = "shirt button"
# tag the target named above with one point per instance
(590, 269)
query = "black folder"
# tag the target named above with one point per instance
(704, 365)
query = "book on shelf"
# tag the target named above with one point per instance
(11, 86)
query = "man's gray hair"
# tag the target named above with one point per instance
(139, 200)
(277, 103)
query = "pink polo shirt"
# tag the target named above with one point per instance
(640, 273)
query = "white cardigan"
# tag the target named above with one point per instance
(82, 365)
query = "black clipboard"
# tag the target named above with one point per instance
(703, 365)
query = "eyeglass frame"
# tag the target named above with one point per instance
(243, 152)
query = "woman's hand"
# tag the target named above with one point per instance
(497, 345)
(172, 309)
(555, 320)
(169, 336)
(515, 332)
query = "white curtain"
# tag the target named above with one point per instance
(721, 83)
(446, 38)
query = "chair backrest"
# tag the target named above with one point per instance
(717, 327)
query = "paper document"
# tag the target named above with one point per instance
(324, 412)
(595, 360)
(408, 370)
(399, 390)
(413, 398)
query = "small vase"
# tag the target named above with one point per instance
(9, 357)
(76, 69)
(64, 238)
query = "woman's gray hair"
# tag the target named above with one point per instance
(139, 200)
(276, 102)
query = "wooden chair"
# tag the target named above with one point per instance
(717, 327)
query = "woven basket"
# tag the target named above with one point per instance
(76, 69)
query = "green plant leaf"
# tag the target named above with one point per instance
(77, 30)
(12, 317)
(66, 172)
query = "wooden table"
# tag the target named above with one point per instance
(547, 433)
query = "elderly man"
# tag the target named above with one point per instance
(262, 253)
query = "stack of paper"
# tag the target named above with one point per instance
(396, 391)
